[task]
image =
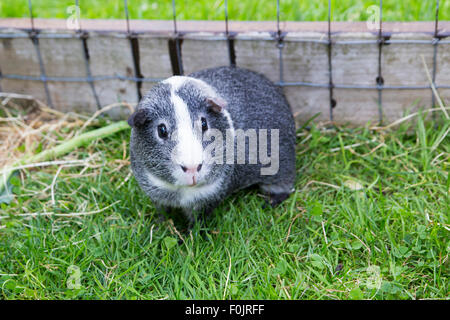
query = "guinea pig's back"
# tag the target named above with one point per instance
(253, 101)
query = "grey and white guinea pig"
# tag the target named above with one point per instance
(172, 128)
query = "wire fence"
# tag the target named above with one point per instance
(278, 37)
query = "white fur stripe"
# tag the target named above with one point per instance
(188, 151)
(230, 121)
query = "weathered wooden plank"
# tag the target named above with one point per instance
(302, 62)
(355, 64)
(443, 64)
(260, 56)
(307, 102)
(154, 59)
(62, 58)
(110, 54)
(33, 88)
(306, 62)
(201, 54)
(398, 103)
(402, 64)
(445, 96)
(443, 71)
(355, 107)
(18, 56)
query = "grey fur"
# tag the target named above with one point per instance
(252, 100)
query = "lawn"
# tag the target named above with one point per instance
(369, 220)
(296, 10)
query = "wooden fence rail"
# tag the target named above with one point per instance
(352, 67)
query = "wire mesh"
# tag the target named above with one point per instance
(35, 40)
(277, 37)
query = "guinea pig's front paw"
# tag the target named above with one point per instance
(276, 198)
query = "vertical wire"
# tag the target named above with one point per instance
(177, 39)
(226, 18)
(435, 49)
(330, 65)
(134, 47)
(174, 13)
(30, 10)
(278, 16)
(280, 44)
(380, 80)
(83, 37)
(127, 15)
(436, 24)
(230, 40)
(77, 5)
(35, 40)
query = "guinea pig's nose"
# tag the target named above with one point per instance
(192, 169)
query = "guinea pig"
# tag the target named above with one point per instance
(196, 139)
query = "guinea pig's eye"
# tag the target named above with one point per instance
(204, 124)
(162, 131)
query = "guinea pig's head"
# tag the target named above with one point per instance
(179, 133)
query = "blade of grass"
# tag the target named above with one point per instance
(64, 148)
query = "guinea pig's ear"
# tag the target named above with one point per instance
(216, 104)
(139, 118)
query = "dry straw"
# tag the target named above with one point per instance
(41, 128)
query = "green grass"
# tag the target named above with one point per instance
(296, 10)
(389, 240)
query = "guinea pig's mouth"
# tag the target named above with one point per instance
(189, 177)
(193, 183)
